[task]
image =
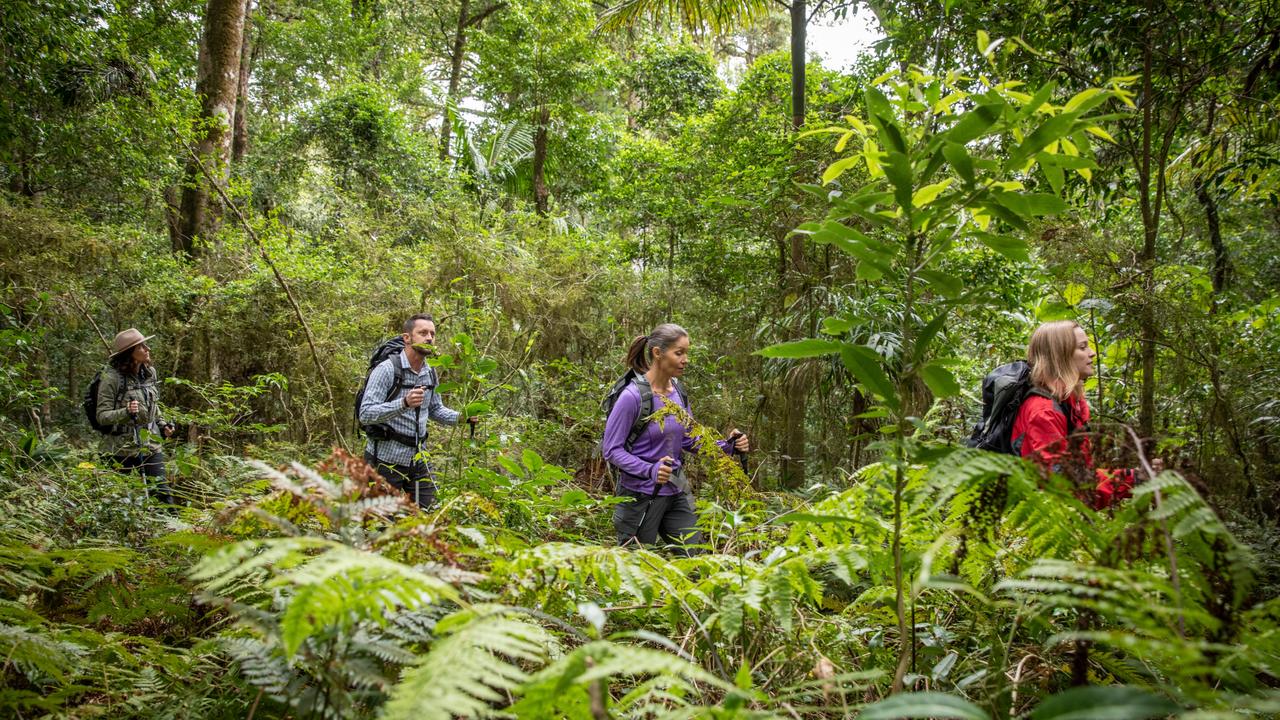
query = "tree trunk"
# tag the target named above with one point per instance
(217, 80)
(799, 21)
(541, 194)
(240, 128)
(455, 79)
(1149, 206)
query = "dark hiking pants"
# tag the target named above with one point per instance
(151, 467)
(414, 480)
(646, 517)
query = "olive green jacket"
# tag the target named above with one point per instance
(114, 394)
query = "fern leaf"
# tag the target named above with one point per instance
(470, 668)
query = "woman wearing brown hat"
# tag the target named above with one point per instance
(129, 404)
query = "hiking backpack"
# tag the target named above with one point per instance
(1003, 392)
(387, 350)
(90, 405)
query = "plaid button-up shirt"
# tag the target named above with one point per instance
(398, 416)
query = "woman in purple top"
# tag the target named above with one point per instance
(648, 457)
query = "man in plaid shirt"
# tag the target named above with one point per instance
(397, 392)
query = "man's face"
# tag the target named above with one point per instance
(423, 333)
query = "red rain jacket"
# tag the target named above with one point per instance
(1040, 433)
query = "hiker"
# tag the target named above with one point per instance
(398, 399)
(128, 413)
(647, 455)
(1052, 423)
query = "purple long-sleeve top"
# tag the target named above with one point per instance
(670, 437)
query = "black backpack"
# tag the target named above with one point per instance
(381, 354)
(646, 403)
(1003, 392)
(90, 405)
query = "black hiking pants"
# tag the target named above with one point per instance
(416, 480)
(646, 517)
(151, 467)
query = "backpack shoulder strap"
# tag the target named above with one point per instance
(1058, 405)
(642, 386)
(679, 387)
(397, 378)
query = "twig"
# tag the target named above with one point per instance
(288, 291)
(85, 312)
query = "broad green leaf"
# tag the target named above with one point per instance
(898, 170)
(1073, 293)
(1085, 100)
(923, 705)
(984, 41)
(811, 347)
(973, 124)
(1104, 702)
(1049, 131)
(1035, 102)
(1040, 204)
(484, 366)
(838, 168)
(864, 363)
(947, 285)
(940, 380)
(479, 407)
(531, 460)
(999, 209)
(1011, 247)
(929, 193)
(960, 160)
(836, 326)
(1052, 171)
(868, 272)
(1099, 132)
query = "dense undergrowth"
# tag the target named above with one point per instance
(292, 591)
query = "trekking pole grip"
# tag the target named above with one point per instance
(742, 456)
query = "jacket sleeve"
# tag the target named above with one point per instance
(436, 409)
(616, 428)
(108, 388)
(373, 410)
(1113, 486)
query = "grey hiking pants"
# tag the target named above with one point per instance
(646, 517)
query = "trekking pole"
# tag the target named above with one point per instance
(742, 456)
(417, 448)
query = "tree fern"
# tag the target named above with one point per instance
(470, 667)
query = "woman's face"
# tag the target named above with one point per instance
(141, 355)
(1082, 356)
(673, 360)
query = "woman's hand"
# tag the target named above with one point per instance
(741, 444)
(664, 469)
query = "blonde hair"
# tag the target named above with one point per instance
(1049, 353)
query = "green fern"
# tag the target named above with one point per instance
(469, 668)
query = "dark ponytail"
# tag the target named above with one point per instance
(641, 351)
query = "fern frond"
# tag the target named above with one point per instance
(469, 668)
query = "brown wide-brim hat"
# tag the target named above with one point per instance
(128, 340)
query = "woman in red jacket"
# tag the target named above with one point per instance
(1052, 423)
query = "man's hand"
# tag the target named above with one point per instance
(414, 397)
(132, 407)
(740, 443)
(168, 429)
(664, 469)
